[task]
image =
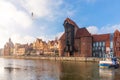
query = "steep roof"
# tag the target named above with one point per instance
(116, 31)
(82, 32)
(101, 37)
(62, 37)
(71, 22)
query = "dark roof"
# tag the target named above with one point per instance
(71, 22)
(82, 32)
(101, 37)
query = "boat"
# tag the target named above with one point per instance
(109, 62)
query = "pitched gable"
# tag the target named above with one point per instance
(82, 32)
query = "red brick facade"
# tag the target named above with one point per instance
(87, 45)
(82, 42)
(116, 43)
(101, 45)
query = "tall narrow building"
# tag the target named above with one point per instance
(8, 48)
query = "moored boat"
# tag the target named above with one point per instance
(109, 63)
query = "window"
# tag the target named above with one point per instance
(111, 44)
(96, 43)
(103, 43)
(96, 48)
(93, 44)
(100, 44)
(93, 54)
(99, 48)
(103, 49)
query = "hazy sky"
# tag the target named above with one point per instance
(17, 22)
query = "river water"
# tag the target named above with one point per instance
(22, 69)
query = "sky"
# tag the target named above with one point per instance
(25, 20)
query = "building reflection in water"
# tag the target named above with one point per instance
(29, 70)
(79, 71)
(21, 69)
(48, 70)
(106, 74)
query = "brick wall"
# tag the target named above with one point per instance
(86, 47)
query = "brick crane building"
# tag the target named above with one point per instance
(77, 41)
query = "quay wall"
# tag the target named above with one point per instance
(88, 59)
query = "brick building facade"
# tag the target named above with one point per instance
(78, 45)
(116, 43)
(21, 49)
(101, 45)
(8, 48)
(77, 41)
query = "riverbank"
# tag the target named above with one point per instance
(85, 59)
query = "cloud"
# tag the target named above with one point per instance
(92, 29)
(17, 22)
(103, 30)
(17, 38)
(50, 37)
(59, 34)
(110, 28)
(10, 16)
(16, 19)
(47, 9)
(12, 20)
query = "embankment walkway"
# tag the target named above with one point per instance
(88, 59)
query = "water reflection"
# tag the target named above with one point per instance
(16, 69)
(20, 69)
(106, 74)
(79, 71)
